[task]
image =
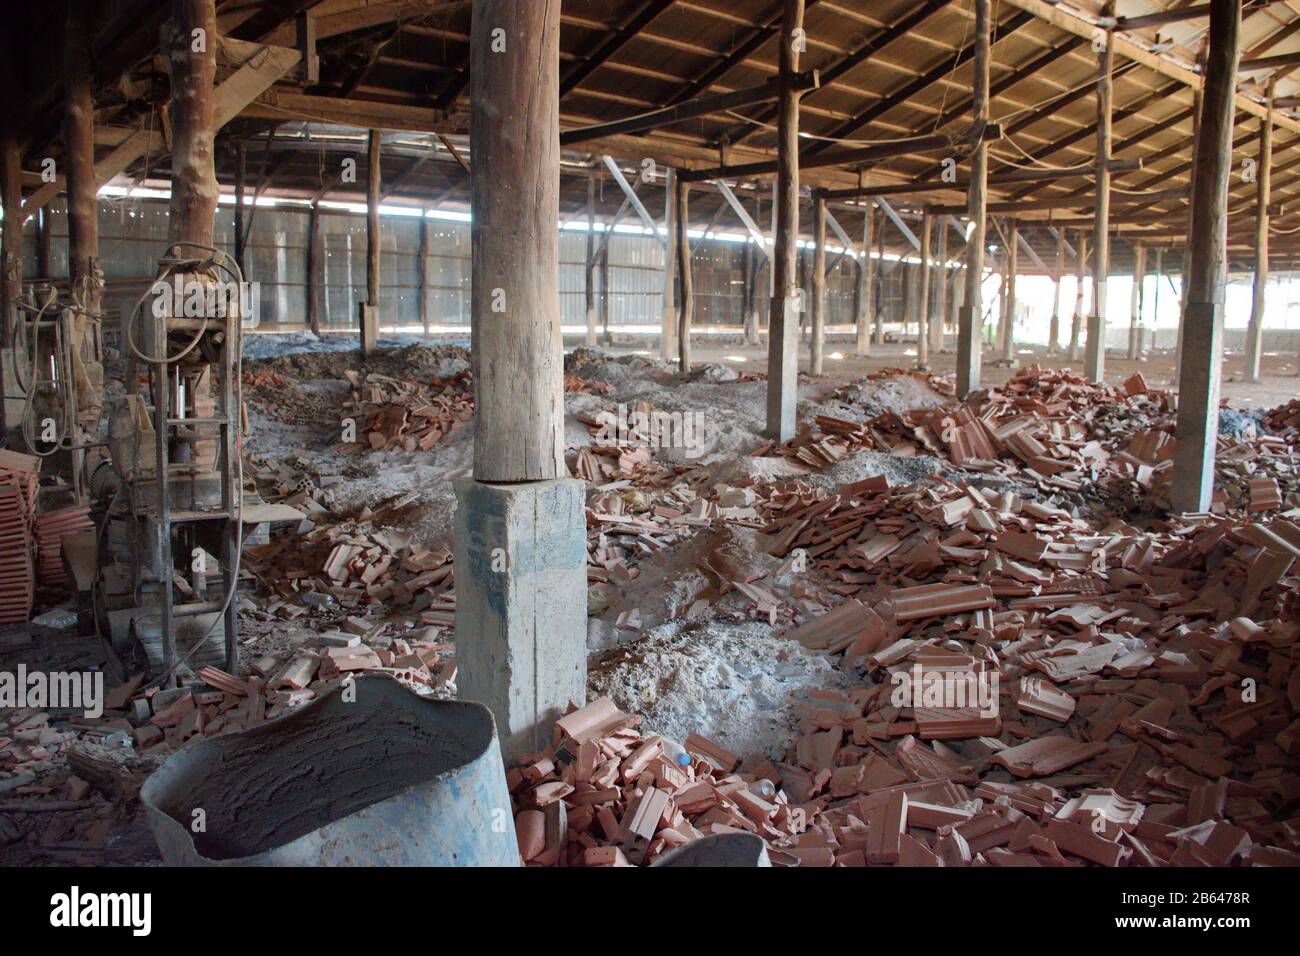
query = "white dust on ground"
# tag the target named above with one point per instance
(735, 683)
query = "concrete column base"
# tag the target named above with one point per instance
(521, 604)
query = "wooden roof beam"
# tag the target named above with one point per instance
(1062, 19)
(579, 72)
(690, 109)
(834, 71)
(848, 156)
(908, 90)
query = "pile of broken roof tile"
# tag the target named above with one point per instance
(397, 413)
(1141, 702)
(355, 564)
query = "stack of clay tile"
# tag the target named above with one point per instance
(604, 794)
(19, 475)
(395, 413)
(17, 584)
(51, 526)
(23, 472)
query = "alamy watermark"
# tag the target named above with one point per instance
(684, 431)
(948, 689)
(184, 296)
(46, 690)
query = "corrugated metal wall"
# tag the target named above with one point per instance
(133, 233)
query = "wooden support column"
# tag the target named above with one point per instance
(752, 263)
(313, 269)
(374, 245)
(1263, 196)
(1080, 275)
(1054, 327)
(941, 287)
(11, 240)
(817, 363)
(783, 326)
(968, 325)
(685, 281)
(425, 311)
(1198, 108)
(1196, 433)
(605, 294)
(866, 284)
(1135, 301)
(926, 276)
(590, 271)
(520, 531)
(1155, 299)
(84, 276)
(193, 204)
(668, 329)
(1095, 357)
(877, 306)
(241, 173)
(1009, 294)
(515, 301)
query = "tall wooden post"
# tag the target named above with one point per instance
(866, 284)
(1009, 296)
(194, 181)
(817, 363)
(1081, 275)
(1155, 299)
(877, 309)
(1054, 327)
(1095, 356)
(79, 159)
(749, 310)
(11, 236)
(685, 281)
(783, 326)
(374, 245)
(1263, 196)
(668, 330)
(605, 293)
(941, 287)
(425, 311)
(313, 269)
(1192, 485)
(590, 270)
(923, 316)
(519, 534)
(1135, 301)
(968, 325)
(1198, 111)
